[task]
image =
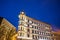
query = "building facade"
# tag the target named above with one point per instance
(7, 30)
(31, 29)
(56, 35)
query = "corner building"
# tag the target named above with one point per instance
(7, 30)
(31, 29)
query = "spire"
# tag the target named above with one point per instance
(22, 12)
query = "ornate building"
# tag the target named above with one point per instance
(31, 29)
(7, 30)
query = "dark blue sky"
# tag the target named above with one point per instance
(44, 10)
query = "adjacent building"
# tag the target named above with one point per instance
(56, 35)
(7, 30)
(31, 29)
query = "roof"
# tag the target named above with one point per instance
(38, 20)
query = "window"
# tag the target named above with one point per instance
(20, 22)
(47, 27)
(43, 37)
(21, 18)
(30, 21)
(25, 25)
(48, 34)
(22, 28)
(35, 27)
(41, 33)
(32, 31)
(33, 36)
(21, 34)
(36, 37)
(28, 30)
(32, 26)
(28, 35)
(28, 25)
(40, 37)
(35, 32)
(39, 28)
(26, 20)
(44, 33)
(38, 24)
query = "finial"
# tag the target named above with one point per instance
(22, 12)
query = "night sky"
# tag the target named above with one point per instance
(44, 10)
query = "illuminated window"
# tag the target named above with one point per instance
(32, 26)
(38, 24)
(21, 34)
(47, 27)
(28, 25)
(25, 25)
(20, 22)
(30, 21)
(26, 20)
